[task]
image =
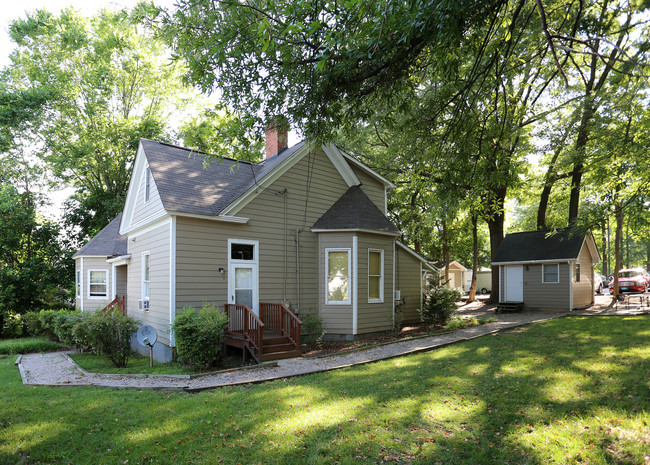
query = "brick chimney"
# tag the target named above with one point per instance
(276, 137)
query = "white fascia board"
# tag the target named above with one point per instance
(132, 192)
(361, 230)
(593, 250)
(342, 166)
(255, 190)
(220, 218)
(121, 260)
(369, 170)
(417, 255)
(535, 262)
(150, 220)
(91, 256)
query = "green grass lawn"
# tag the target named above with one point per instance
(571, 390)
(27, 345)
(137, 365)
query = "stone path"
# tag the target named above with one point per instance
(58, 369)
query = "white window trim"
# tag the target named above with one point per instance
(145, 254)
(256, 252)
(98, 297)
(381, 277)
(544, 265)
(77, 284)
(577, 272)
(147, 184)
(327, 268)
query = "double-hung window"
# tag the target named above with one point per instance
(338, 276)
(97, 283)
(78, 283)
(147, 184)
(551, 273)
(577, 272)
(375, 275)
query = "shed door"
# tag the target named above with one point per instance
(514, 284)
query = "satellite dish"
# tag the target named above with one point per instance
(147, 335)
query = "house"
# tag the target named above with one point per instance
(458, 274)
(547, 269)
(303, 231)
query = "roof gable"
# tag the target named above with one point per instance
(355, 211)
(107, 243)
(543, 246)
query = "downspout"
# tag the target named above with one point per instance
(81, 283)
(393, 295)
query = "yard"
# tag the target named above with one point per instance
(570, 390)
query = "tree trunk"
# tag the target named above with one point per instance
(617, 245)
(604, 233)
(495, 226)
(445, 251)
(472, 287)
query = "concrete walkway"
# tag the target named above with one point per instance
(58, 369)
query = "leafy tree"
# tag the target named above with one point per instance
(106, 84)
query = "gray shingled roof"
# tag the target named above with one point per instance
(108, 242)
(354, 210)
(563, 244)
(185, 185)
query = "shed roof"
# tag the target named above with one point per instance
(540, 246)
(107, 243)
(355, 211)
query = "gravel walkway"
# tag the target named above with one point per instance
(58, 369)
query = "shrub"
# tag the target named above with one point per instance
(313, 328)
(199, 336)
(46, 319)
(33, 323)
(107, 333)
(64, 324)
(440, 304)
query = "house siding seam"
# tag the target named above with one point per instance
(409, 282)
(157, 243)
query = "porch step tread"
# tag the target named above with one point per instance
(509, 307)
(280, 355)
(273, 348)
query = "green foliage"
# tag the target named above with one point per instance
(199, 336)
(312, 326)
(64, 324)
(440, 303)
(27, 345)
(107, 333)
(138, 364)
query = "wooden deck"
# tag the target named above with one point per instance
(274, 335)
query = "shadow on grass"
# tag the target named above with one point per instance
(565, 391)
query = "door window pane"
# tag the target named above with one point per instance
(244, 297)
(243, 278)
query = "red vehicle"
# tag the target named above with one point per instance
(632, 280)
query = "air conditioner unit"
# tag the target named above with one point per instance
(143, 304)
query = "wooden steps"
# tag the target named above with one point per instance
(274, 347)
(509, 307)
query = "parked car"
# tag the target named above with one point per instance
(632, 280)
(598, 283)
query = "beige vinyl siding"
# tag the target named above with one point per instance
(157, 242)
(96, 264)
(337, 319)
(142, 209)
(583, 291)
(121, 274)
(374, 316)
(546, 295)
(312, 186)
(373, 188)
(408, 280)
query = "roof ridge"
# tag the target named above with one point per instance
(201, 152)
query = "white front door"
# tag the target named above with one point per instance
(243, 285)
(514, 284)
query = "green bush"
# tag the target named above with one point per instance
(312, 326)
(64, 324)
(199, 336)
(46, 319)
(440, 304)
(33, 323)
(107, 333)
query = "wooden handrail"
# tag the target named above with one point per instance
(242, 320)
(282, 320)
(116, 302)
